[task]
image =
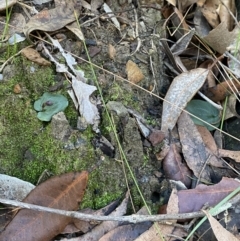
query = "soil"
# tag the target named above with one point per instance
(28, 146)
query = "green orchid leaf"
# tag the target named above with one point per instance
(204, 111)
(49, 105)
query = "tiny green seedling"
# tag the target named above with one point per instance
(49, 105)
(204, 111)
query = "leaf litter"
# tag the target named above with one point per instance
(200, 154)
(81, 92)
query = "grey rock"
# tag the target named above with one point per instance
(61, 129)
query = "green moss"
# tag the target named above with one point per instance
(122, 92)
(104, 186)
(87, 69)
(27, 146)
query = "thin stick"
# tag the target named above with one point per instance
(88, 217)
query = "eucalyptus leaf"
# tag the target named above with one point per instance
(49, 105)
(180, 92)
(205, 111)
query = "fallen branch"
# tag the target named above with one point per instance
(88, 217)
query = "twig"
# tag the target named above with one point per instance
(88, 217)
(8, 60)
(219, 107)
(139, 42)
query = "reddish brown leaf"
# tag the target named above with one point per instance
(156, 137)
(220, 91)
(60, 192)
(175, 168)
(207, 139)
(193, 200)
(193, 148)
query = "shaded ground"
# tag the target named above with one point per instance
(29, 146)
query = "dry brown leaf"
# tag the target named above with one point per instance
(235, 155)
(200, 3)
(16, 24)
(220, 232)
(223, 11)
(207, 138)
(180, 27)
(193, 200)
(201, 25)
(193, 148)
(220, 32)
(182, 43)
(134, 73)
(111, 52)
(220, 91)
(175, 168)
(211, 147)
(173, 2)
(85, 226)
(156, 137)
(95, 5)
(34, 56)
(60, 192)
(209, 10)
(53, 19)
(74, 28)
(183, 4)
(180, 92)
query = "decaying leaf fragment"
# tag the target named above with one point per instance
(60, 192)
(81, 91)
(182, 89)
(85, 106)
(34, 56)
